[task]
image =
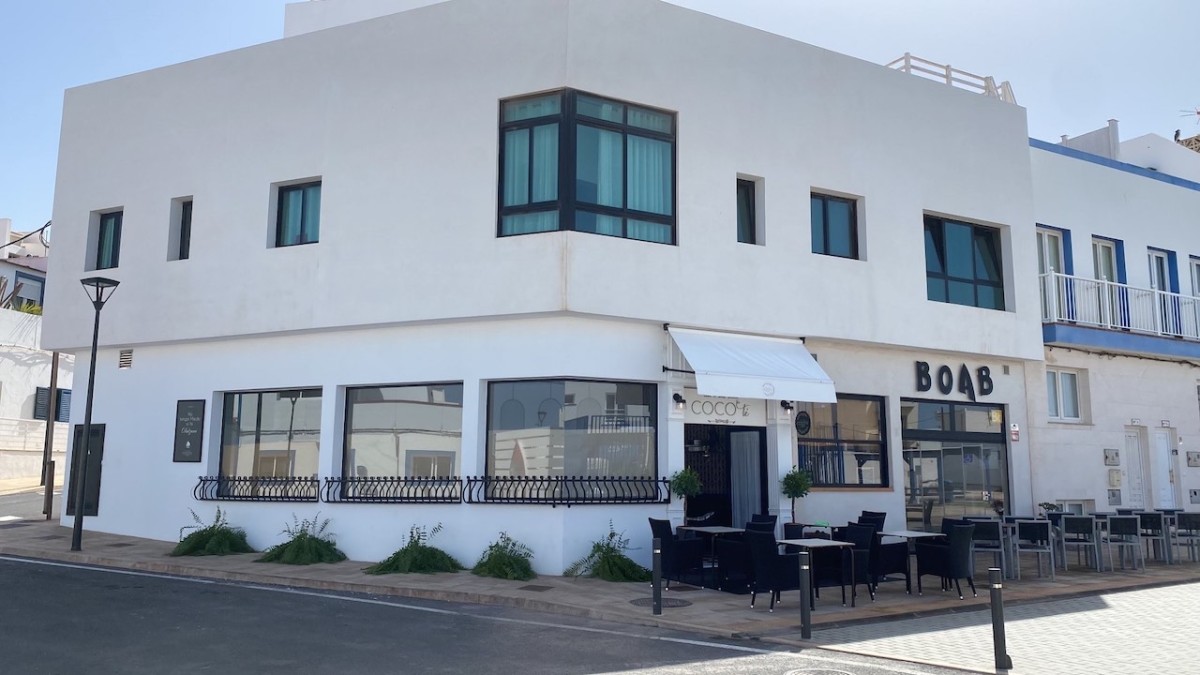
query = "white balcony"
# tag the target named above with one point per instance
(1108, 305)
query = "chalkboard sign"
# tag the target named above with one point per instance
(189, 430)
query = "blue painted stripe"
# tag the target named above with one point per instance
(1114, 164)
(1118, 341)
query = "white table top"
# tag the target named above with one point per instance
(711, 529)
(910, 534)
(814, 543)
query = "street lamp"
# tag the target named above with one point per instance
(99, 289)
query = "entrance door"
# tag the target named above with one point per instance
(1134, 473)
(1163, 483)
(1050, 263)
(1104, 262)
(95, 457)
(1160, 281)
(731, 462)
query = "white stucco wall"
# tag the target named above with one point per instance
(313, 15)
(1163, 155)
(23, 368)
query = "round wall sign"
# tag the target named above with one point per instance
(803, 423)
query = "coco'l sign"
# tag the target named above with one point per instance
(945, 379)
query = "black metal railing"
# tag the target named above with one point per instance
(567, 490)
(393, 490)
(256, 489)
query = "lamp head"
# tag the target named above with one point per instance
(680, 401)
(99, 289)
(787, 407)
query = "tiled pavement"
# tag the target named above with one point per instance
(936, 627)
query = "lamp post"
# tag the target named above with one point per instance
(99, 289)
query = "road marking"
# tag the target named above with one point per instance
(432, 610)
(5, 519)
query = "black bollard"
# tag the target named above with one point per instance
(805, 598)
(656, 579)
(1003, 661)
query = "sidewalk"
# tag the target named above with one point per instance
(707, 612)
(12, 486)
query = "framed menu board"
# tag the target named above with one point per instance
(189, 430)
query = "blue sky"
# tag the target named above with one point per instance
(1073, 63)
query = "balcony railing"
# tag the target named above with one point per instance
(1104, 304)
(567, 490)
(393, 490)
(256, 489)
(955, 77)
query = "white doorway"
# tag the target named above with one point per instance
(1135, 478)
(1164, 473)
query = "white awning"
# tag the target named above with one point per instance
(747, 366)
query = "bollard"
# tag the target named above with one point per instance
(656, 579)
(1003, 661)
(48, 500)
(805, 598)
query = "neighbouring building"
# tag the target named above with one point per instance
(504, 266)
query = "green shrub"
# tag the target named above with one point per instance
(506, 558)
(307, 544)
(417, 556)
(217, 538)
(607, 560)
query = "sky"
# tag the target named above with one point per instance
(1073, 64)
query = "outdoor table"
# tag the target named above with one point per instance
(712, 532)
(813, 543)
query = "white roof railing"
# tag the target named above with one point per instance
(961, 79)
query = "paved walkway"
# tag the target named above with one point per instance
(918, 623)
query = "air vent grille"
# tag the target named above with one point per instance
(126, 359)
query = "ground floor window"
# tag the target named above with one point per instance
(412, 431)
(271, 433)
(955, 461)
(572, 428)
(843, 444)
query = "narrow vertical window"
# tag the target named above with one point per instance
(298, 218)
(108, 240)
(185, 230)
(745, 212)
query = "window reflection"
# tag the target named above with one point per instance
(409, 431)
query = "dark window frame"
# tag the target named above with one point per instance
(225, 415)
(25, 276)
(566, 205)
(348, 420)
(935, 226)
(824, 224)
(184, 250)
(303, 236)
(885, 465)
(747, 192)
(109, 226)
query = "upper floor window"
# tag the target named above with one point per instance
(962, 264)
(747, 221)
(843, 443)
(574, 161)
(298, 217)
(108, 240)
(1062, 395)
(834, 226)
(184, 249)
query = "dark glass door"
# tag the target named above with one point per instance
(731, 462)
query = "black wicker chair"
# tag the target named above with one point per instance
(950, 561)
(774, 572)
(679, 556)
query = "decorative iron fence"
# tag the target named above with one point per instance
(567, 490)
(256, 489)
(394, 490)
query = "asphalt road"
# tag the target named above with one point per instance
(67, 619)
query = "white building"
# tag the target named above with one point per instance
(1118, 420)
(24, 398)
(428, 295)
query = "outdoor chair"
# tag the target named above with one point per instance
(679, 556)
(874, 520)
(1082, 533)
(734, 567)
(774, 572)
(948, 560)
(988, 537)
(830, 567)
(1187, 534)
(793, 531)
(1124, 532)
(892, 558)
(1155, 534)
(1033, 536)
(761, 526)
(765, 518)
(864, 553)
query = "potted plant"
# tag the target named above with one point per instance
(684, 484)
(795, 484)
(1050, 507)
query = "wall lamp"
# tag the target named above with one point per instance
(679, 400)
(787, 407)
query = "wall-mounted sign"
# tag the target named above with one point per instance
(189, 430)
(746, 412)
(803, 423)
(966, 382)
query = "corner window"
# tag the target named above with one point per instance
(1062, 395)
(108, 240)
(572, 428)
(843, 444)
(298, 216)
(747, 216)
(962, 264)
(574, 161)
(403, 431)
(271, 433)
(834, 226)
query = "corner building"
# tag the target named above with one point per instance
(504, 266)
